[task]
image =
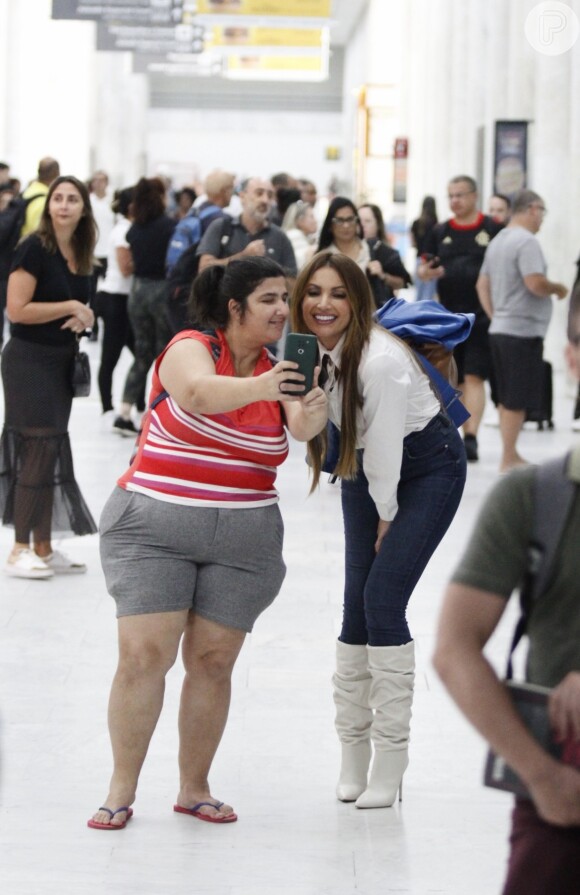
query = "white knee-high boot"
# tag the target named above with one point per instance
(352, 682)
(392, 671)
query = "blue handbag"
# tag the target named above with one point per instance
(419, 323)
(428, 322)
(425, 321)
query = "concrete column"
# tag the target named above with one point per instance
(4, 74)
(120, 127)
(385, 65)
(353, 80)
(64, 99)
(430, 72)
(552, 174)
(47, 88)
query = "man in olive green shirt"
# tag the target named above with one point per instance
(545, 840)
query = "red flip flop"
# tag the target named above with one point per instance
(195, 812)
(95, 825)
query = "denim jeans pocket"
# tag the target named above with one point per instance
(432, 441)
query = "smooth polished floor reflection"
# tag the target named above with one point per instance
(278, 761)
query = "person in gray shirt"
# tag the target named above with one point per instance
(515, 293)
(250, 234)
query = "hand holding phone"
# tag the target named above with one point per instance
(431, 260)
(302, 348)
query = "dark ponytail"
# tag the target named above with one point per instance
(122, 201)
(205, 306)
(216, 285)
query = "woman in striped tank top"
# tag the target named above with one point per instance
(191, 539)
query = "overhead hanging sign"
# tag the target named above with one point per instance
(276, 68)
(178, 65)
(134, 12)
(311, 9)
(150, 39)
(265, 37)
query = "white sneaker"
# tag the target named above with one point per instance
(61, 564)
(26, 564)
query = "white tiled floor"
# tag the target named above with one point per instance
(278, 761)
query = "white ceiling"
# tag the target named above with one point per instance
(344, 16)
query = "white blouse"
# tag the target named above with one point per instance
(115, 283)
(364, 255)
(397, 400)
(303, 248)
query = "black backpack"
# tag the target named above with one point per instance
(182, 275)
(11, 223)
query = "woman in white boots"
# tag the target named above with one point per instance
(402, 466)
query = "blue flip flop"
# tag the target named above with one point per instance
(95, 825)
(195, 812)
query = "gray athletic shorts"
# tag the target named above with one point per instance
(224, 564)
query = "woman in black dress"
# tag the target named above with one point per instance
(48, 294)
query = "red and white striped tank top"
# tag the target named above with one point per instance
(226, 459)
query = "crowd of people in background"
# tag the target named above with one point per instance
(153, 239)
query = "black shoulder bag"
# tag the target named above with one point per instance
(80, 374)
(80, 368)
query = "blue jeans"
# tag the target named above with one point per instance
(425, 291)
(378, 586)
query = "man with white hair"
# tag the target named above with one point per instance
(219, 186)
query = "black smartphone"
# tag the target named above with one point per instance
(303, 350)
(431, 260)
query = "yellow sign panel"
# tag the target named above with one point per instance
(264, 37)
(317, 9)
(275, 63)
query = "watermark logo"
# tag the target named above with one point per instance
(552, 28)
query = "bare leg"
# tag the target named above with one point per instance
(125, 410)
(209, 652)
(148, 647)
(473, 389)
(510, 426)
